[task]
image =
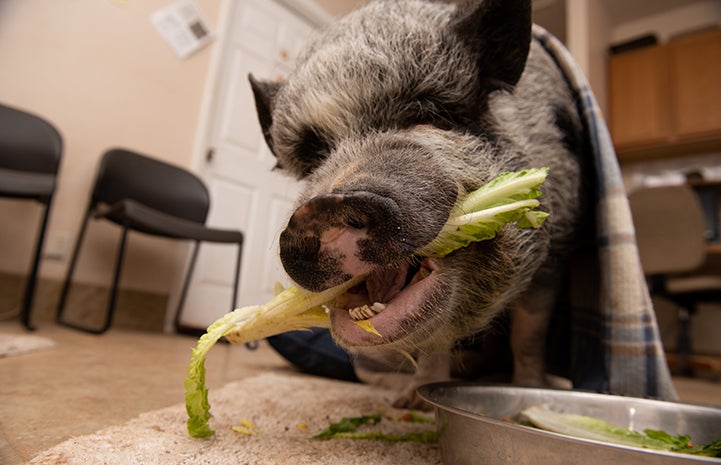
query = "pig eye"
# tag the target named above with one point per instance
(355, 223)
(311, 150)
(432, 119)
(428, 111)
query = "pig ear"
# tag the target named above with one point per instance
(499, 33)
(264, 93)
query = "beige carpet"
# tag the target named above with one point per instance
(17, 344)
(287, 410)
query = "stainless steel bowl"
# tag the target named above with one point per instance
(469, 420)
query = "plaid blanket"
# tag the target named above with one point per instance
(616, 342)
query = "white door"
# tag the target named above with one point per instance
(262, 38)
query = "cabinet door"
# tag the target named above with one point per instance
(639, 97)
(696, 77)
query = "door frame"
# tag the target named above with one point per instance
(307, 9)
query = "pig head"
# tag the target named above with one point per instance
(390, 115)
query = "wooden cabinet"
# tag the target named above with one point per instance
(696, 73)
(639, 88)
(666, 99)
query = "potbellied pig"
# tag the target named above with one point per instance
(390, 116)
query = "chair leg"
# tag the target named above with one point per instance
(27, 305)
(71, 270)
(113, 292)
(684, 341)
(234, 302)
(186, 284)
(116, 282)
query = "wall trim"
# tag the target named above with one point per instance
(309, 10)
(306, 9)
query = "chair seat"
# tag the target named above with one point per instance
(694, 283)
(144, 194)
(25, 184)
(145, 219)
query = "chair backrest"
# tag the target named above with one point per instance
(124, 174)
(670, 228)
(28, 142)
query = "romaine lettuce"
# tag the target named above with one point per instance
(581, 426)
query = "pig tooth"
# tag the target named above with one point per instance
(360, 313)
(368, 312)
(378, 307)
(365, 312)
(354, 313)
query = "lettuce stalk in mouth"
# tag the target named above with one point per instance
(508, 198)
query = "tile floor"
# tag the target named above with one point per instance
(90, 382)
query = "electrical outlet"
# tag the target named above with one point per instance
(56, 246)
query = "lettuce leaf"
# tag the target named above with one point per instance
(585, 427)
(346, 429)
(509, 197)
(292, 309)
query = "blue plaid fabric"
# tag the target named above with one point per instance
(617, 346)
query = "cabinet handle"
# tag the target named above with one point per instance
(209, 154)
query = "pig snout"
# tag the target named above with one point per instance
(334, 237)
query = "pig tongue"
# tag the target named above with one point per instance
(383, 285)
(401, 291)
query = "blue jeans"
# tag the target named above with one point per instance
(314, 352)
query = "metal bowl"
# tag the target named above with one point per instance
(469, 420)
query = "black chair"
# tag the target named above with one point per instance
(143, 194)
(30, 153)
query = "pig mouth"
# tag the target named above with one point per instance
(387, 307)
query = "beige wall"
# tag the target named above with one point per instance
(338, 8)
(102, 74)
(681, 20)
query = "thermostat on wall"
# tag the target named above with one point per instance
(183, 27)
